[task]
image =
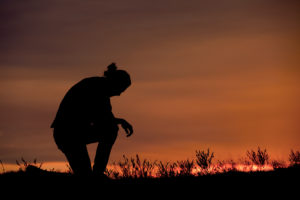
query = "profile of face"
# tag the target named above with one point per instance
(116, 89)
(118, 80)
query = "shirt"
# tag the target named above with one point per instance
(86, 104)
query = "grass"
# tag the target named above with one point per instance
(203, 168)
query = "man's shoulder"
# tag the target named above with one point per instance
(86, 85)
(93, 79)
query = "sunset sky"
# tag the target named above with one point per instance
(212, 74)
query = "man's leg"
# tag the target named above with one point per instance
(79, 159)
(103, 152)
(76, 153)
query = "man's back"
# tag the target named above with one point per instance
(84, 103)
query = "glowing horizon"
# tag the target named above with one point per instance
(62, 167)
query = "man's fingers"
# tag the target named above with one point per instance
(126, 130)
(129, 131)
(129, 134)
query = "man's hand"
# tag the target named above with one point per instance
(126, 126)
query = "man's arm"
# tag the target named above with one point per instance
(125, 125)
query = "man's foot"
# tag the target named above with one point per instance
(101, 176)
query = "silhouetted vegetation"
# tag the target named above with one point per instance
(294, 157)
(204, 159)
(135, 168)
(23, 164)
(259, 157)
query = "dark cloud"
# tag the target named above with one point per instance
(70, 34)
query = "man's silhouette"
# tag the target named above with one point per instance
(85, 116)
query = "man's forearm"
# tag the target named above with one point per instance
(119, 120)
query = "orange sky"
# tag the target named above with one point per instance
(216, 74)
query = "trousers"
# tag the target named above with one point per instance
(74, 147)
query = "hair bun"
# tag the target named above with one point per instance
(118, 77)
(110, 69)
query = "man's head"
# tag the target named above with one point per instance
(118, 80)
